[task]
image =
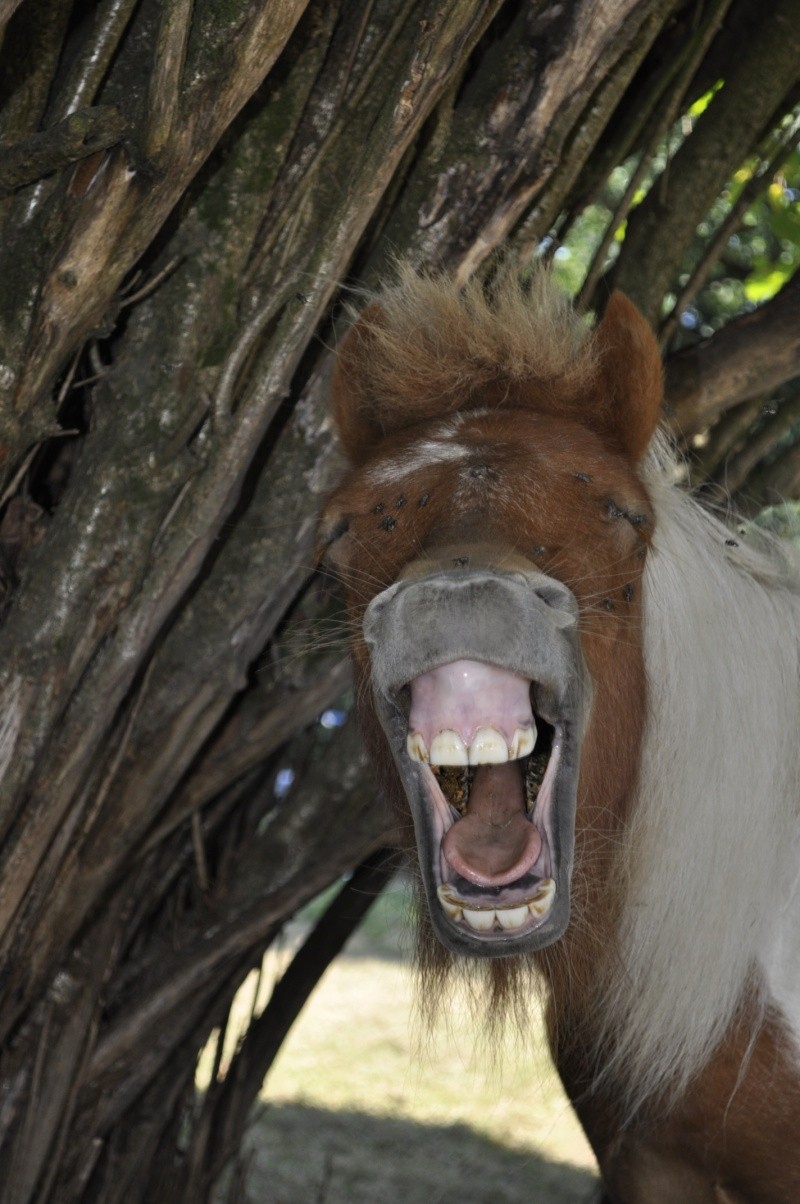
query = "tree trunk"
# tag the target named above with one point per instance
(189, 191)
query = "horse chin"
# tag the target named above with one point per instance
(480, 686)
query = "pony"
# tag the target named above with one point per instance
(582, 691)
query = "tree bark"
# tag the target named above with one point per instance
(192, 192)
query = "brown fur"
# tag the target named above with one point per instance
(726, 1143)
(553, 421)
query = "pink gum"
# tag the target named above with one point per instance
(466, 695)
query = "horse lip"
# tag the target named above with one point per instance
(415, 626)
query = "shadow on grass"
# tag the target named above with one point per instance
(321, 1157)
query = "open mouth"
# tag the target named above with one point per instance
(488, 763)
(481, 689)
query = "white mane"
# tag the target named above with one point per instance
(714, 844)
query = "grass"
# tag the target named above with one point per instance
(354, 1111)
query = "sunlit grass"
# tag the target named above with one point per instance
(356, 1093)
(354, 1048)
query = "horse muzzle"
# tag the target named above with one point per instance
(481, 688)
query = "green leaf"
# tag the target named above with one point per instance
(785, 223)
(704, 101)
(767, 280)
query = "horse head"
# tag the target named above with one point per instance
(491, 537)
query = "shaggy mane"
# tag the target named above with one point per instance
(436, 345)
(713, 847)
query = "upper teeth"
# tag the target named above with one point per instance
(488, 747)
(446, 749)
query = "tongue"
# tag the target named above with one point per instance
(495, 843)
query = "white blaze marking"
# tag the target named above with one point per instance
(422, 455)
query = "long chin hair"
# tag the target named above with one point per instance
(506, 997)
(500, 993)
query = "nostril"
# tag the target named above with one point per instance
(553, 597)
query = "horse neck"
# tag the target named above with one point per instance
(711, 851)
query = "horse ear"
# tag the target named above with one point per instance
(633, 376)
(353, 412)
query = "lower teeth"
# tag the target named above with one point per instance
(509, 918)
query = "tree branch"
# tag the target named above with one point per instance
(477, 177)
(750, 355)
(92, 63)
(381, 130)
(81, 134)
(772, 483)
(112, 217)
(262, 888)
(773, 155)
(255, 730)
(31, 47)
(661, 229)
(743, 465)
(229, 1102)
(7, 10)
(725, 436)
(164, 94)
(675, 81)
